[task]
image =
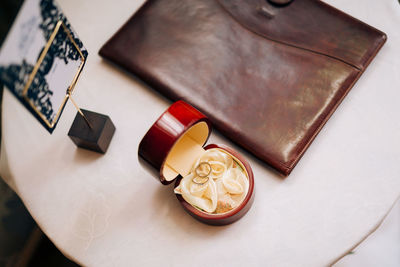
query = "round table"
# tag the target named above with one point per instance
(105, 210)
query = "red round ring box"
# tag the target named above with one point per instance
(177, 135)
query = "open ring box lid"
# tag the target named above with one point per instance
(174, 143)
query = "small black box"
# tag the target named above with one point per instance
(98, 137)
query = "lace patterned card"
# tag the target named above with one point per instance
(41, 60)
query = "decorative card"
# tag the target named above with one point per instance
(41, 60)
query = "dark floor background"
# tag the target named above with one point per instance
(46, 254)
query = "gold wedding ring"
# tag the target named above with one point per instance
(202, 171)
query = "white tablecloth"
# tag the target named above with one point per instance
(105, 210)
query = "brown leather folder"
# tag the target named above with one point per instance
(268, 76)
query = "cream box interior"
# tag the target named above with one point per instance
(225, 192)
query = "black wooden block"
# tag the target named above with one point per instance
(98, 137)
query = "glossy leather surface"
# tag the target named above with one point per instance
(310, 25)
(267, 77)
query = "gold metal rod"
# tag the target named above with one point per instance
(80, 111)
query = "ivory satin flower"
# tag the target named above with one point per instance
(226, 188)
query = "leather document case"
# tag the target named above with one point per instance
(268, 76)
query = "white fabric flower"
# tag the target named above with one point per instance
(225, 189)
(202, 196)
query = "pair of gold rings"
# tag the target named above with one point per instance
(202, 172)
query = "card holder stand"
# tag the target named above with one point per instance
(89, 130)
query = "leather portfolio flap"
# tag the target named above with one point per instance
(268, 77)
(310, 25)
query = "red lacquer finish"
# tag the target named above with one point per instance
(158, 142)
(170, 126)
